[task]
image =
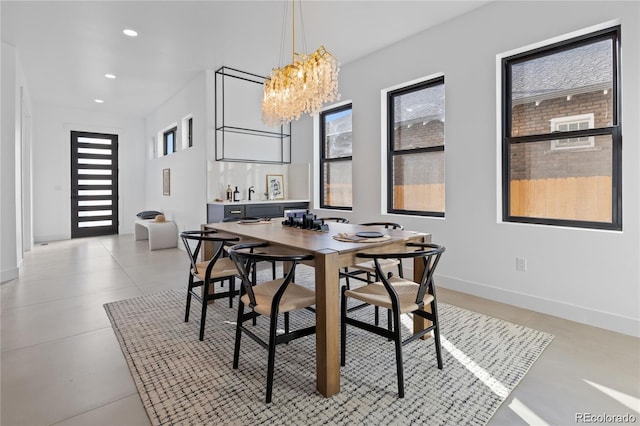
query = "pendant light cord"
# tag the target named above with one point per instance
(283, 32)
(293, 30)
(304, 38)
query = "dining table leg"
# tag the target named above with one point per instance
(327, 323)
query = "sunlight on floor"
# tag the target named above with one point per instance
(526, 414)
(482, 374)
(628, 401)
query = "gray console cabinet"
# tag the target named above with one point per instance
(217, 212)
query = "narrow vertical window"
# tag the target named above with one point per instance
(190, 132)
(415, 156)
(562, 142)
(169, 141)
(335, 158)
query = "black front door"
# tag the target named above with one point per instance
(94, 184)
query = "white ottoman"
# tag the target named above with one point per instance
(161, 235)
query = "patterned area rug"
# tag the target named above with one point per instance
(184, 381)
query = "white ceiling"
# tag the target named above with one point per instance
(66, 47)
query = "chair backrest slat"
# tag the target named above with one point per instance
(334, 219)
(430, 254)
(430, 259)
(245, 257)
(200, 237)
(387, 225)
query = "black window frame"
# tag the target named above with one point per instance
(615, 131)
(173, 131)
(324, 160)
(392, 152)
(190, 132)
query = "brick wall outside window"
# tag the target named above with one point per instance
(537, 160)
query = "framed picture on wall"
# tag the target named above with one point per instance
(166, 182)
(275, 187)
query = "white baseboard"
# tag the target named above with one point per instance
(9, 274)
(606, 320)
(53, 237)
(60, 237)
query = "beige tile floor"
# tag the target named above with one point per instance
(61, 363)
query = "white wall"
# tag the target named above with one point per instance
(188, 167)
(15, 100)
(52, 166)
(583, 275)
(8, 255)
(241, 174)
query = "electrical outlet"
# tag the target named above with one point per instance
(521, 264)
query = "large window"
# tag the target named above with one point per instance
(415, 157)
(569, 88)
(335, 158)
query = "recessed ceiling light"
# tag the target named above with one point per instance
(130, 33)
(99, 101)
(111, 76)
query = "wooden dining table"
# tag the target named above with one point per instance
(329, 256)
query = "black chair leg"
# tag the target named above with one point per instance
(389, 321)
(254, 274)
(186, 314)
(397, 336)
(273, 270)
(436, 333)
(203, 314)
(286, 322)
(236, 348)
(232, 289)
(376, 318)
(343, 327)
(346, 278)
(272, 354)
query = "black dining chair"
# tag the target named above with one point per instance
(368, 268)
(205, 274)
(274, 271)
(401, 297)
(269, 298)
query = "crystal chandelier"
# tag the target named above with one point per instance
(300, 87)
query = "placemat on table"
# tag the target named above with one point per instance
(353, 238)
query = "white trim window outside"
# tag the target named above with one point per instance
(416, 149)
(561, 133)
(169, 141)
(336, 140)
(569, 124)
